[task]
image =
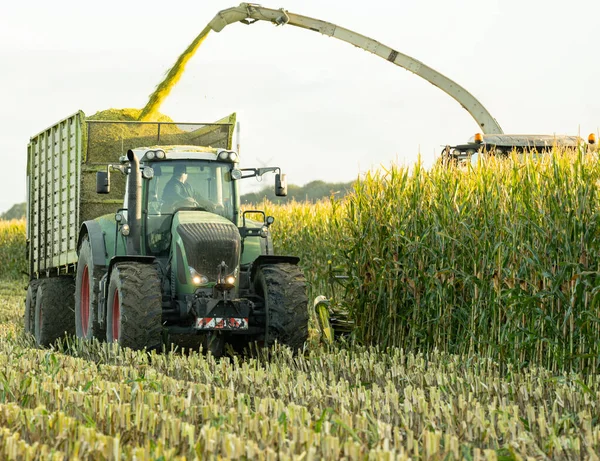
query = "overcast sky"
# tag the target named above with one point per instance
(317, 107)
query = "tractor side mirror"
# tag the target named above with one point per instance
(102, 182)
(281, 185)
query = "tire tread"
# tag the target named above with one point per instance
(141, 305)
(284, 289)
(57, 303)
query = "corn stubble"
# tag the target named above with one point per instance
(93, 401)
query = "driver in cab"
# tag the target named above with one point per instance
(179, 194)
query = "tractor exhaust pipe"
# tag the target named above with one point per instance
(134, 204)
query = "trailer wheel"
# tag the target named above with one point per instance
(87, 289)
(30, 306)
(283, 287)
(53, 317)
(134, 311)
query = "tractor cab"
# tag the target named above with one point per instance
(185, 176)
(181, 178)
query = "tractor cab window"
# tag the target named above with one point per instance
(186, 184)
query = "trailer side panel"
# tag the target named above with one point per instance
(53, 181)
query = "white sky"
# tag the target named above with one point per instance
(317, 107)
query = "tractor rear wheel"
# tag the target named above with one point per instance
(134, 306)
(283, 287)
(87, 289)
(53, 317)
(30, 306)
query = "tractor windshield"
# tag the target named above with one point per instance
(186, 184)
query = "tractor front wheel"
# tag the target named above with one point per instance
(283, 288)
(134, 306)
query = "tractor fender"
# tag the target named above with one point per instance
(94, 232)
(271, 259)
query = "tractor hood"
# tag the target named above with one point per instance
(204, 240)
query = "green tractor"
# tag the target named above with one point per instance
(178, 257)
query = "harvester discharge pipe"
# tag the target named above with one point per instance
(134, 204)
(248, 13)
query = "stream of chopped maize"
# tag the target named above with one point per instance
(173, 75)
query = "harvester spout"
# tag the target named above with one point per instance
(134, 204)
(249, 13)
(229, 16)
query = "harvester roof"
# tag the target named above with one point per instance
(504, 143)
(529, 140)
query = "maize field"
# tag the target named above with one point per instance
(500, 259)
(13, 263)
(475, 298)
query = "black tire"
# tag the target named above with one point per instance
(134, 306)
(30, 306)
(54, 317)
(87, 291)
(283, 287)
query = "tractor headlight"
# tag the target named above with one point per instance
(150, 155)
(226, 283)
(197, 278)
(229, 156)
(263, 232)
(160, 154)
(225, 278)
(147, 172)
(125, 229)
